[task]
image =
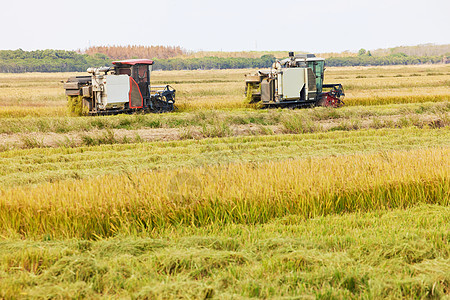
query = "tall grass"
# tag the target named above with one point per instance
(246, 193)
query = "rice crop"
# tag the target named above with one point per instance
(398, 254)
(247, 193)
(221, 199)
(75, 106)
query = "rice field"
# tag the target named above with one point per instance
(42, 94)
(222, 200)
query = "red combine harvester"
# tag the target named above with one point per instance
(124, 88)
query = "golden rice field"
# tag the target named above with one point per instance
(223, 200)
(42, 95)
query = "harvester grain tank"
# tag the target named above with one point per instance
(294, 82)
(124, 88)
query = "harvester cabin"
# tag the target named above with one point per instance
(139, 70)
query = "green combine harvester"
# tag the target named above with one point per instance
(294, 82)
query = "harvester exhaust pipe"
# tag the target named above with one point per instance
(97, 71)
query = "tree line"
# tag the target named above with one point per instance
(19, 61)
(135, 51)
(418, 50)
(207, 63)
(366, 59)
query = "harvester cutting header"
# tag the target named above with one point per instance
(294, 82)
(124, 88)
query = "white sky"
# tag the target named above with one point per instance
(230, 25)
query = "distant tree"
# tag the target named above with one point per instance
(361, 52)
(131, 51)
(17, 61)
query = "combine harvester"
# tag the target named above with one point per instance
(294, 82)
(124, 88)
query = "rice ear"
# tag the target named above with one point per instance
(75, 106)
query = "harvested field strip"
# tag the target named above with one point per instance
(18, 111)
(199, 118)
(288, 124)
(248, 193)
(394, 83)
(39, 165)
(351, 84)
(237, 102)
(382, 100)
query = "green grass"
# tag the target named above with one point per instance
(401, 254)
